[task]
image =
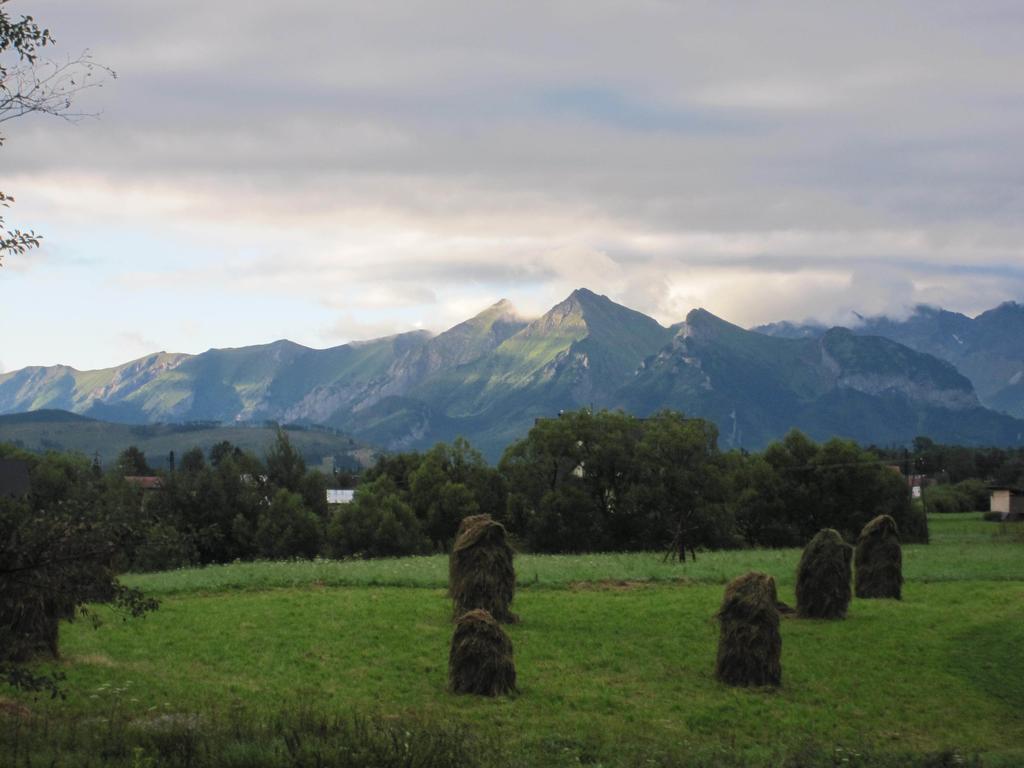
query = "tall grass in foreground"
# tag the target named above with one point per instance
(234, 739)
(305, 739)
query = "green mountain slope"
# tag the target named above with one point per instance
(577, 354)
(53, 430)
(756, 387)
(491, 376)
(987, 349)
(69, 389)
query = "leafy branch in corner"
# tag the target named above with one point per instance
(29, 84)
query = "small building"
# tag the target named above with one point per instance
(14, 478)
(340, 495)
(1008, 501)
(145, 482)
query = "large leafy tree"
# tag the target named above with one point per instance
(379, 523)
(452, 482)
(590, 481)
(60, 549)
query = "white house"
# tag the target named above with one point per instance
(1007, 501)
(340, 495)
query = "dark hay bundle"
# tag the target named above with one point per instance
(823, 577)
(480, 660)
(480, 570)
(878, 561)
(749, 642)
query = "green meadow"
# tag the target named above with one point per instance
(265, 663)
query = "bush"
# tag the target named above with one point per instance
(377, 523)
(974, 494)
(163, 547)
(913, 525)
(966, 496)
(287, 528)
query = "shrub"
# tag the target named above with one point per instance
(823, 577)
(966, 496)
(913, 524)
(878, 561)
(163, 548)
(480, 660)
(749, 642)
(287, 528)
(974, 494)
(376, 524)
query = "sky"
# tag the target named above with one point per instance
(326, 171)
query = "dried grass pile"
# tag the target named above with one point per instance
(480, 569)
(823, 577)
(480, 660)
(878, 561)
(749, 642)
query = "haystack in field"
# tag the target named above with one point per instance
(480, 660)
(823, 577)
(878, 561)
(480, 570)
(749, 642)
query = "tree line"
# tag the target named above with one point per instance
(608, 481)
(582, 482)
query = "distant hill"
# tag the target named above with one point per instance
(756, 387)
(987, 349)
(490, 377)
(54, 430)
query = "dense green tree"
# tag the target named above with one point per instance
(222, 451)
(313, 489)
(758, 503)
(398, 467)
(285, 465)
(287, 528)
(131, 462)
(192, 461)
(377, 523)
(837, 485)
(680, 487)
(589, 481)
(451, 482)
(60, 550)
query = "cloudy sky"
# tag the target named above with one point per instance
(326, 171)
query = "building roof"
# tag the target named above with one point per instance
(1010, 488)
(14, 479)
(147, 483)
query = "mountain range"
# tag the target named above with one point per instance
(987, 349)
(491, 376)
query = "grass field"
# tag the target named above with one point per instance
(963, 547)
(614, 655)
